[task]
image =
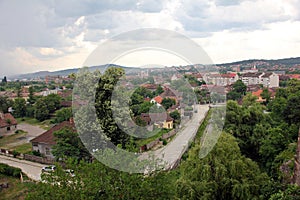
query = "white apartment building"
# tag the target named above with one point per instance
(268, 79)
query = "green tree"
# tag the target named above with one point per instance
(291, 112)
(63, 114)
(238, 90)
(69, 145)
(266, 94)
(53, 102)
(249, 100)
(159, 90)
(223, 174)
(19, 107)
(168, 102)
(104, 112)
(5, 103)
(31, 98)
(41, 111)
(175, 115)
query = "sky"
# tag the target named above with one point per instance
(52, 35)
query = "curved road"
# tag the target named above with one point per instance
(31, 169)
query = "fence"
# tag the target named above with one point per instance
(39, 159)
(150, 145)
(28, 157)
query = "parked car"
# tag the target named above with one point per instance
(50, 168)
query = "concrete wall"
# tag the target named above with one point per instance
(4, 130)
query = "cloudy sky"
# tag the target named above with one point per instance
(50, 35)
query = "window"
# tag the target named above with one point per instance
(47, 151)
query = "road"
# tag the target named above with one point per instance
(174, 150)
(31, 169)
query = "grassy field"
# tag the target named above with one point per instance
(142, 142)
(23, 148)
(16, 189)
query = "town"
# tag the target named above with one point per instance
(37, 120)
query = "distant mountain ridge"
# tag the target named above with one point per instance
(283, 61)
(42, 74)
(65, 72)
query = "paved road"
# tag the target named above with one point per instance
(173, 151)
(31, 169)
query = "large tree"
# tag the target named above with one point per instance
(103, 105)
(19, 107)
(223, 174)
(5, 103)
(69, 145)
(41, 111)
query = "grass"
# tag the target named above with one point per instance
(16, 189)
(142, 142)
(5, 140)
(32, 121)
(24, 148)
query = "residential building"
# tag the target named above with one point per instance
(220, 79)
(44, 142)
(7, 123)
(161, 120)
(268, 79)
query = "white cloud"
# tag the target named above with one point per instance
(277, 40)
(39, 34)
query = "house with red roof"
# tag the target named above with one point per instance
(258, 95)
(44, 142)
(157, 100)
(7, 123)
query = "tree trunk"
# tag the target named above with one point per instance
(296, 176)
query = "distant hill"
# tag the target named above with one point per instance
(42, 74)
(284, 61)
(66, 72)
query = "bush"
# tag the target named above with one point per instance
(15, 153)
(164, 142)
(36, 153)
(10, 171)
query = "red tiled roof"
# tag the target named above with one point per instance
(158, 99)
(295, 76)
(150, 86)
(5, 118)
(257, 93)
(230, 75)
(48, 137)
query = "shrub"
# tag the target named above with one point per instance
(10, 171)
(15, 153)
(164, 142)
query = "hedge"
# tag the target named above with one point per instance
(10, 171)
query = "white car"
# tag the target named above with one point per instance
(50, 168)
